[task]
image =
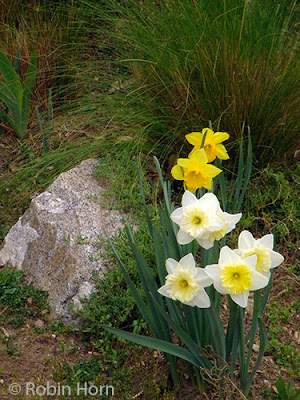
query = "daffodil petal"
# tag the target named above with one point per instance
(177, 172)
(206, 244)
(171, 265)
(211, 171)
(251, 261)
(213, 271)
(188, 199)
(267, 274)
(183, 237)
(231, 220)
(202, 278)
(267, 241)
(199, 156)
(164, 290)
(210, 202)
(176, 215)
(194, 138)
(241, 299)
(228, 256)
(202, 300)
(276, 259)
(184, 162)
(259, 281)
(219, 288)
(246, 240)
(221, 152)
(219, 137)
(188, 262)
(209, 134)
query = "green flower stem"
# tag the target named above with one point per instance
(231, 327)
(241, 328)
(254, 326)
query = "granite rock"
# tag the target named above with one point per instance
(56, 241)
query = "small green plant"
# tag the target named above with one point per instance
(67, 239)
(15, 96)
(18, 298)
(81, 239)
(45, 124)
(286, 391)
(12, 349)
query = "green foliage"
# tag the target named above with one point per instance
(111, 304)
(196, 329)
(229, 61)
(15, 96)
(18, 298)
(286, 391)
(284, 354)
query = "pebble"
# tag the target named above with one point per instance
(39, 323)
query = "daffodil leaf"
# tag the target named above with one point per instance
(157, 344)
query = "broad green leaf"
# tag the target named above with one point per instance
(156, 344)
(28, 87)
(7, 97)
(281, 388)
(11, 79)
(184, 337)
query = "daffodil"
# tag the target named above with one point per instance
(212, 145)
(197, 219)
(229, 220)
(263, 249)
(195, 172)
(236, 276)
(185, 282)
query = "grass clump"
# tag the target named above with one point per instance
(18, 299)
(56, 30)
(228, 62)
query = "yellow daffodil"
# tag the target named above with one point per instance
(263, 249)
(212, 145)
(185, 282)
(195, 172)
(236, 276)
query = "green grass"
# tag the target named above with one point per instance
(229, 62)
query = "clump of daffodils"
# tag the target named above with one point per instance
(235, 273)
(238, 271)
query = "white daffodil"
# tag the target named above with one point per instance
(185, 282)
(197, 218)
(236, 276)
(263, 248)
(229, 220)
